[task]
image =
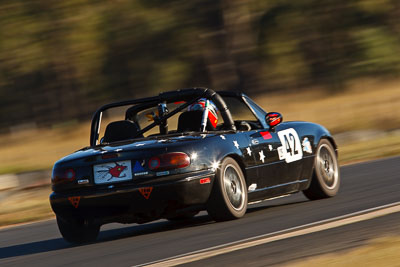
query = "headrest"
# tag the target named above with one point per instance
(121, 130)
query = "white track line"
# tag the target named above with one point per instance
(279, 235)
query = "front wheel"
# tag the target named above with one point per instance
(77, 231)
(228, 199)
(326, 177)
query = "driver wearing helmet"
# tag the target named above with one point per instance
(209, 112)
(201, 115)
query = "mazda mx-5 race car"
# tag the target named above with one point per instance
(175, 154)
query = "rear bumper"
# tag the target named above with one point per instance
(136, 203)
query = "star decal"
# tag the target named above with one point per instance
(270, 147)
(262, 157)
(222, 137)
(235, 143)
(248, 151)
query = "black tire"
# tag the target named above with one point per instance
(325, 182)
(228, 199)
(78, 231)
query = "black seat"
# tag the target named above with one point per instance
(190, 121)
(121, 130)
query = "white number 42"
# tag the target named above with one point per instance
(291, 147)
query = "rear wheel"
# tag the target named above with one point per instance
(326, 177)
(78, 231)
(228, 199)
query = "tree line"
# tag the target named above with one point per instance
(60, 60)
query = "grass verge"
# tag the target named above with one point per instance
(25, 205)
(382, 251)
(376, 148)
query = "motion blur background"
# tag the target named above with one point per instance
(60, 60)
(333, 62)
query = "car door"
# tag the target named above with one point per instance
(290, 152)
(271, 170)
(267, 169)
(281, 147)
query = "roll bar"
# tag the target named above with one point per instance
(191, 95)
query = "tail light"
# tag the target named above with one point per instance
(63, 175)
(169, 161)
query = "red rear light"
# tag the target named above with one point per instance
(169, 161)
(63, 175)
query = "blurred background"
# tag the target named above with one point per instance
(60, 60)
(334, 62)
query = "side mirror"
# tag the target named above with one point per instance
(273, 118)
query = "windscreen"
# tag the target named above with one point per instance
(239, 110)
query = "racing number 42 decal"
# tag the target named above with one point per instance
(291, 149)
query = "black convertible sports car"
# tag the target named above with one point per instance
(175, 154)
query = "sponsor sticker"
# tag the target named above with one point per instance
(112, 172)
(252, 187)
(266, 135)
(74, 201)
(146, 192)
(280, 153)
(307, 146)
(255, 142)
(205, 180)
(138, 169)
(162, 173)
(83, 181)
(140, 173)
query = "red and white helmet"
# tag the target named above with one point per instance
(212, 110)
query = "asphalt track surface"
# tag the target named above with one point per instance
(366, 185)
